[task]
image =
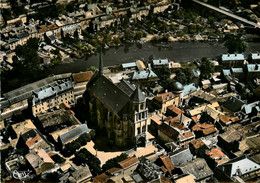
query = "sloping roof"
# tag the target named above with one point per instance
(255, 56)
(242, 164)
(23, 127)
(249, 107)
(106, 91)
(228, 118)
(205, 128)
(83, 76)
(145, 74)
(37, 157)
(167, 163)
(175, 109)
(233, 104)
(197, 143)
(81, 174)
(74, 133)
(181, 156)
(157, 118)
(253, 67)
(128, 65)
(161, 62)
(169, 131)
(126, 87)
(52, 91)
(140, 65)
(238, 57)
(215, 154)
(129, 162)
(186, 179)
(138, 96)
(101, 178)
(198, 168)
(163, 97)
(188, 89)
(231, 135)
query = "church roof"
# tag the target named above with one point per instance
(138, 96)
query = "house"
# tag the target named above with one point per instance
(105, 177)
(252, 109)
(119, 110)
(173, 111)
(229, 140)
(129, 66)
(140, 65)
(228, 120)
(51, 97)
(167, 133)
(198, 147)
(216, 157)
(73, 134)
(198, 168)
(167, 163)
(254, 58)
(185, 179)
(165, 100)
(232, 60)
(189, 89)
(53, 121)
(39, 160)
(233, 105)
(160, 63)
(250, 145)
(81, 175)
(252, 71)
(204, 129)
(81, 79)
(180, 156)
(243, 167)
(33, 139)
(156, 121)
(23, 127)
(144, 78)
(238, 73)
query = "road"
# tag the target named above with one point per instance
(228, 14)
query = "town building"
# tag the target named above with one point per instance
(119, 110)
(232, 60)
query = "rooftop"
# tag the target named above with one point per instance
(197, 143)
(82, 77)
(205, 128)
(238, 57)
(129, 162)
(144, 74)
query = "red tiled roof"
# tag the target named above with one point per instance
(175, 122)
(44, 28)
(194, 118)
(227, 118)
(128, 162)
(105, 176)
(167, 163)
(163, 97)
(82, 77)
(65, 105)
(169, 131)
(175, 109)
(197, 143)
(205, 128)
(215, 154)
(33, 140)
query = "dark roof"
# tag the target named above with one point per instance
(233, 104)
(126, 87)
(181, 156)
(177, 87)
(198, 168)
(74, 133)
(138, 96)
(169, 131)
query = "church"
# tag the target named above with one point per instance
(118, 110)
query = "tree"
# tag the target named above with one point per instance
(235, 44)
(114, 162)
(84, 156)
(206, 68)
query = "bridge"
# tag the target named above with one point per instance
(228, 14)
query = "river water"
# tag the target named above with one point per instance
(178, 52)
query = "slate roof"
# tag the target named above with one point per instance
(241, 164)
(188, 89)
(145, 74)
(138, 96)
(108, 92)
(128, 65)
(160, 62)
(198, 168)
(238, 57)
(233, 104)
(181, 156)
(126, 87)
(249, 107)
(253, 67)
(52, 91)
(74, 133)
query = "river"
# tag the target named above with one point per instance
(176, 51)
